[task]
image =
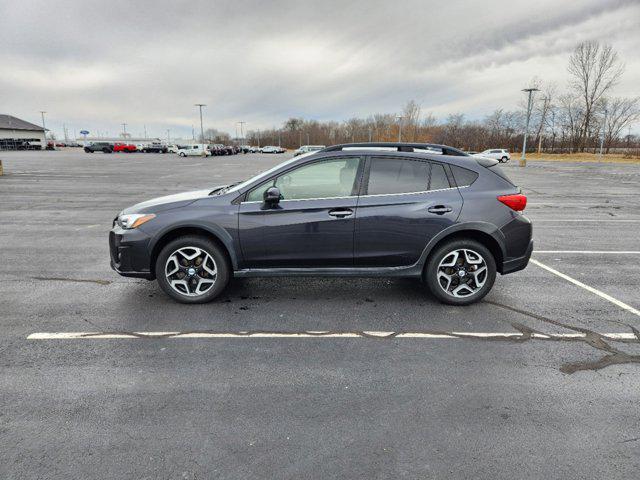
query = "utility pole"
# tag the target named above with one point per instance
(124, 130)
(604, 131)
(168, 136)
(242, 130)
(145, 132)
(42, 112)
(308, 141)
(523, 159)
(200, 105)
(279, 143)
(370, 132)
(399, 118)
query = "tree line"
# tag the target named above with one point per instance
(573, 120)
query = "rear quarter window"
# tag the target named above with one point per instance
(463, 176)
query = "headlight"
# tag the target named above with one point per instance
(134, 220)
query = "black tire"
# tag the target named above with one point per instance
(182, 154)
(106, 150)
(504, 160)
(437, 256)
(206, 245)
(88, 150)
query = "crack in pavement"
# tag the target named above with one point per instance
(614, 356)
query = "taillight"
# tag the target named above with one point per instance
(515, 202)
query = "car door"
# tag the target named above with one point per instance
(404, 203)
(312, 225)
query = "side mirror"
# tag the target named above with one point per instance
(272, 196)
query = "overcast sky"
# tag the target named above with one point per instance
(96, 64)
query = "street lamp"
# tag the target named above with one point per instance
(200, 105)
(124, 130)
(399, 118)
(523, 159)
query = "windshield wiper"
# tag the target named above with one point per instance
(225, 189)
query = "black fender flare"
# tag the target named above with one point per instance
(212, 229)
(483, 227)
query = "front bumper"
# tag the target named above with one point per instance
(129, 252)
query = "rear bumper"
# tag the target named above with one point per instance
(516, 264)
(518, 244)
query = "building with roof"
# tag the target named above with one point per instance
(17, 134)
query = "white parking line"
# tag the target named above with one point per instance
(312, 334)
(620, 304)
(593, 252)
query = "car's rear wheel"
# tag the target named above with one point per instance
(106, 150)
(192, 269)
(182, 154)
(460, 272)
(88, 150)
(504, 159)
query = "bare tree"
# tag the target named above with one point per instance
(620, 113)
(594, 69)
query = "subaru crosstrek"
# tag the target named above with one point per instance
(396, 210)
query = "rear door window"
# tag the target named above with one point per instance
(389, 176)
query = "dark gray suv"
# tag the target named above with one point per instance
(398, 210)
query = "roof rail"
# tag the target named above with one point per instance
(401, 147)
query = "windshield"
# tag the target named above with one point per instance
(262, 175)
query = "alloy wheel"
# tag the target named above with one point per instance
(462, 273)
(191, 271)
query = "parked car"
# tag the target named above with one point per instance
(124, 147)
(173, 148)
(194, 150)
(155, 148)
(499, 154)
(447, 218)
(269, 149)
(307, 149)
(248, 149)
(105, 147)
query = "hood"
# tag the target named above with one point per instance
(170, 201)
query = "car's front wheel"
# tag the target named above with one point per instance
(192, 269)
(504, 159)
(460, 272)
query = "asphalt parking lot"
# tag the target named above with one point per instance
(350, 405)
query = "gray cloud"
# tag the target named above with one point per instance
(95, 64)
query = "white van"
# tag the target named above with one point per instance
(194, 150)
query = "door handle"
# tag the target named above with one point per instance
(341, 212)
(440, 209)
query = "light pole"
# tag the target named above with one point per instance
(523, 159)
(200, 105)
(399, 118)
(604, 131)
(124, 130)
(168, 136)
